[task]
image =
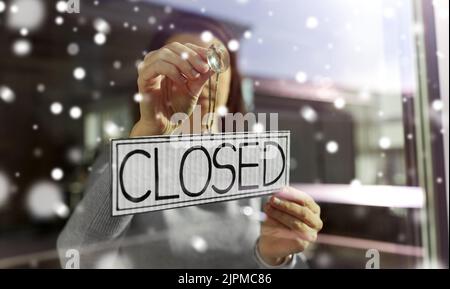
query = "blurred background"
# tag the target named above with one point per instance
(362, 86)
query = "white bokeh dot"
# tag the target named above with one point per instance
(339, 103)
(74, 155)
(233, 45)
(28, 14)
(312, 22)
(248, 34)
(117, 64)
(258, 127)
(207, 36)
(57, 174)
(138, 97)
(75, 112)
(309, 114)
(14, 9)
(355, 183)
(301, 77)
(199, 244)
(56, 108)
(37, 152)
(152, 20)
(7, 94)
(100, 38)
(384, 143)
(23, 32)
(61, 210)
(61, 6)
(184, 55)
(101, 26)
(42, 199)
(40, 87)
(21, 47)
(59, 20)
(437, 105)
(222, 110)
(79, 73)
(168, 9)
(73, 49)
(332, 147)
(247, 211)
(111, 129)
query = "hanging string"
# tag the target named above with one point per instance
(212, 103)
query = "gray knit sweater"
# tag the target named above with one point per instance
(219, 235)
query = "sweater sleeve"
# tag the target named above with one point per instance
(298, 261)
(92, 231)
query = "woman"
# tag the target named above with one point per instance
(174, 78)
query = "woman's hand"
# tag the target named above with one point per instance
(293, 221)
(170, 81)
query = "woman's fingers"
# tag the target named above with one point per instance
(196, 86)
(168, 56)
(203, 52)
(187, 54)
(189, 64)
(297, 226)
(300, 212)
(162, 67)
(297, 196)
(273, 228)
(183, 65)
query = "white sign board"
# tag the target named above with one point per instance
(165, 172)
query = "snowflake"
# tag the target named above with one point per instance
(100, 38)
(73, 49)
(75, 112)
(56, 108)
(59, 20)
(206, 36)
(384, 143)
(301, 77)
(101, 26)
(332, 147)
(22, 47)
(7, 94)
(309, 114)
(57, 174)
(339, 103)
(233, 45)
(312, 22)
(79, 73)
(61, 6)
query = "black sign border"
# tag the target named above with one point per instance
(226, 136)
